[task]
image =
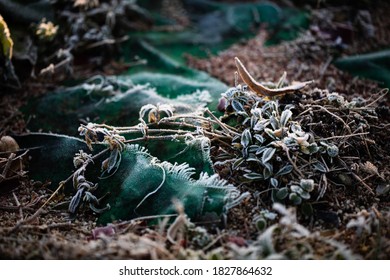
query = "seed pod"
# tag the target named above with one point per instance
(8, 144)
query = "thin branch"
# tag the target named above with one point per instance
(7, 166)
(18, 205)
(363, 183)
(325, 66)
(146, 138)
(26, 221)
(15, 208)
(286, 149)
(152, 217)
(46, 227)
(107, 42)
(221, 124)
(334, 115)
(185, 116)
(343, 136)
(385, 90)
(151, 130)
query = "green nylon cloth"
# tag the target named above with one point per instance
(143, 185)
(375, 66)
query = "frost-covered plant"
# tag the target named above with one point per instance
(270, 145)
(288, 239)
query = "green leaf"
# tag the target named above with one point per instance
(304, 194)
(253, 148)
(282, 193)
(261, 224)
(246, 138)
(238, 163)
(284, 170)
(298, 190)
(259, 138)
(307, 209)
(296, 199)
(252, 157)
(274, 123)
(260, 150)
(320, 167)
(274, 182)
(237, 106)
(307, 184)
(285, 117)
(274, 198)
(313, 148)
(268, 171)
(295, 188)
(267, 154)
(254, 176)
(270, 133)
(332, 150)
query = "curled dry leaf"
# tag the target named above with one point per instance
(261, 90)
